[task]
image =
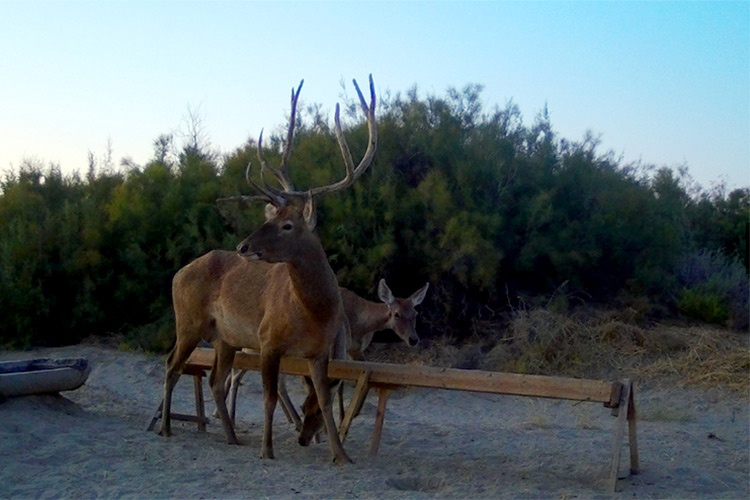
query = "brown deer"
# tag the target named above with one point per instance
(365, 318)
(277, 294)
(368, 317)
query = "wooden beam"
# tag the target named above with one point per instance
(441, 378)
(383, 393)
(355, 406)
(622, 419)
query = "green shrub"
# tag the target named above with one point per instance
(485, 208)
(702, 305)
(715, 288)
(158, 336)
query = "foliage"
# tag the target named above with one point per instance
(491, 211)
(703, 306)
(715, 288)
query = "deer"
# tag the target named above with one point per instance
(276, 294)
(392, 313)
(365, 319)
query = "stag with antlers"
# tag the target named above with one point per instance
(277, 294)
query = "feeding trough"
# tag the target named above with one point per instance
(42, 376)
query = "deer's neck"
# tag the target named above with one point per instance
(315, 284)
(364, 316)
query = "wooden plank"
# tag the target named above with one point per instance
(622, 418)
(200, 406)
(191, 418)
(635, 467)
(441, 378)
(355, 405)
(379, 419)
(614, 398)
(155, 418)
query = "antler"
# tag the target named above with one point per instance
(352, 174)
(269, 194)
(281, 198)
(282, 174)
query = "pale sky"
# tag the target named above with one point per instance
(667, 83)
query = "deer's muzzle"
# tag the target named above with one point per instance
(244, 250)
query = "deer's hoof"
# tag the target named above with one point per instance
(342, 460)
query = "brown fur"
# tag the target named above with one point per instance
(365, 318)
(288, 305)
(291, 305)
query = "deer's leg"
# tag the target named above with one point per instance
(233, 385)
(341, 401)
(269, 369)
(227, 391)
(286, 404)
(175, 362)
(224, 358)
(313, 416)
(319, 375)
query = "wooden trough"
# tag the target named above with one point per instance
(386, 377)
(42, 376)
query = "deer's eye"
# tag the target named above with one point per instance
(288, 226)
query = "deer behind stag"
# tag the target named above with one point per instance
(365, 319)
(277, 294)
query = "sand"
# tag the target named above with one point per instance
(92, 443)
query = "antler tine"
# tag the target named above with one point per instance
(245, 198)
(267, 193)
(290, 131)
(282, 173)
(369, 110)
(353, 173)
(264, 165)
(281, 198)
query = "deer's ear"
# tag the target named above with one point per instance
(418, 296)
(270, 211)
(384, 293)
(308, 212)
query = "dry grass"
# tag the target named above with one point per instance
(592, 344)
(711, 358)
(664, 412)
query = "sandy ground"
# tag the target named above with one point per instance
(92, 443)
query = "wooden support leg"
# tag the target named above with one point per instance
(355, 405)
(200, 404)
(287, 406)
(635, 467)
(622, 417)
(156, 417)
(382, 401)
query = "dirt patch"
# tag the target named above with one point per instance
(693, 442)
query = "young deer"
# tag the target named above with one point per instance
(365, 318)
(277, 294)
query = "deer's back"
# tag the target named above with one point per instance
(223, 295)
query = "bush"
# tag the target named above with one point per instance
(155, 337)
(487, 209)
(703, 305)
(715, 289)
